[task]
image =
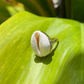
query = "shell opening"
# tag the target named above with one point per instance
(37, 39)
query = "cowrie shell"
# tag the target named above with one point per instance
(41, 43)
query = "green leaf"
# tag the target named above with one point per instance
(15, 7)
(9, 8)
(40, 7)
(20, 65)
(75, 9)
(4, 15)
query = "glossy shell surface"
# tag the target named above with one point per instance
(40, 43)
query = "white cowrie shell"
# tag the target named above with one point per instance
(41, 43)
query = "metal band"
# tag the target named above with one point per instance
(54, 40)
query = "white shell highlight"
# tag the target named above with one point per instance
(40, 43)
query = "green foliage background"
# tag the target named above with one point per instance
(18, 62)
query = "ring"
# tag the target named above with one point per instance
(41, 43)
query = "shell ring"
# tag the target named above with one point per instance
(41, 43)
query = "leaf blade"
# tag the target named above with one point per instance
(18, 63)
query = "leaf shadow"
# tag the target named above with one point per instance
(48, 59)
(73, 71)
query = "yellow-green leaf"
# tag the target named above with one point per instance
(20, 65)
